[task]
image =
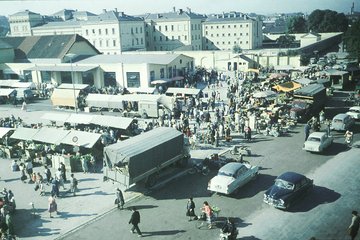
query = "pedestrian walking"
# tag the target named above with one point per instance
(23, 106)
(73, 184)
(47, 173)
(307, 130)
(59, 178)
(135, 220)
(52, 206)
(248, 133)
(119, 199)
(29, 169)
(206, 209)
(354, 226)
(190, 208)
(54, 188)
(63, 171)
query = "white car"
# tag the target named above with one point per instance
(232, 176)
(317, 142)
(354, 112)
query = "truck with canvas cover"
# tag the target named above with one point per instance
(143, 158)
(308, 101)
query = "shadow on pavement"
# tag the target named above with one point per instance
(261, 183)
(319, 195)
(249, 238)
(162, 233)
(335, 149)
(139, 207)
(66, 215)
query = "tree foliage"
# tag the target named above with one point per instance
(352, 40)
(327, 21)
(236, 49)
(285, 40)
(296, 24)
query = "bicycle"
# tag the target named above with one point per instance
(199, 168)
(203, 219)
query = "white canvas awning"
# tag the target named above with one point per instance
(142, 90)
(112, 121)
(64, 97)
(4, 131)
(58, 117)
(185, 91)
(81, 139)
(79, 118)
(24, 133)
(8, 83)
(50, 135)
(4, 92)
(73, 86)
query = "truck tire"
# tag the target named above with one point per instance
(151, 181)
(183, 162)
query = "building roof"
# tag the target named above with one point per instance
(24, 13)
(131, 59)
(227, 17)
(4, 45)
(179, 15)
(53, 46)
(62, 24)
(112, 16)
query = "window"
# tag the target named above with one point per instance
(141, 41)
(160, 28)
(152, 76)
(247, 34)
(87, 32)
(166, 38)
(185, 37)
(160, 38)
(229, 34)
(217, 27)
(132, 42)
(132, 31)
(234, 26)
(234, 34)
(140, 29)
(114, 43)
(109, 79)
(223, 26)
(217, 34)
(113, 30)
(212, 35)
(100, 43)
(107, 43)
(170, 72)
(136, 30)
(106, 31)
(137, 41)
(211, 27)
(229, 26)
(154, 29)
(133, 79)
(172, 38)
(99, 31)
(166, 28)
(223, 34)
(162, 73)
(93, 31)
(154, 39)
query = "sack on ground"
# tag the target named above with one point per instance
(36, 187)
(23, 177)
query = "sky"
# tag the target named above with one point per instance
(134, 7)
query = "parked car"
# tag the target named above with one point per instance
(287, 189)
(342, 122)
(232, 176)
(354, 112)
(317, 142)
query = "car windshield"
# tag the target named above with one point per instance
(284, 184)
(227, 174)
(354, 110)
(314, 139)
(337, 121)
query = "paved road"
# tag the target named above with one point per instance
(324, 213)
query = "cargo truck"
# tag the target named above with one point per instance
(308, 102)
(143, 158)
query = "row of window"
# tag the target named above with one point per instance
(172, 27)
(106, 31)
(107, 42)
(223, 26)
(223, 35)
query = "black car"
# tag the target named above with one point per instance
(288, 188)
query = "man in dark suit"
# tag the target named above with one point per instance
(135, 220)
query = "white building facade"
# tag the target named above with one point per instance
(21, 23)
(224, 31)
(177, 30)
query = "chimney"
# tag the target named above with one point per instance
(174, 9)
(188, 9)
(116, 10)
(180, 11)
(158, 16)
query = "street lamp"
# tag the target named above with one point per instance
(71, 56)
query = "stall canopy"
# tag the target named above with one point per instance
(142, 90)
(102, 101)
(81, 139)
(303, 81)
(287, 87)
(112, 121)
(8, 83)
(334, 72)
(79, 118)
(4, 131)
(61, 117)
(4, 92)
(50, 135)
(64, 97)
(24, 133)
(73, 86)
(265, 94)
(182, 91)
(62, 68)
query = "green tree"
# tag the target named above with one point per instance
(352, 40)
(236, 49)
(285, 40)
(327, 21)
(296, 25)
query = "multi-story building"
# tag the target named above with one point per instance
(177, 30)
(224, 31)
(111, 32)
(21, 23)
